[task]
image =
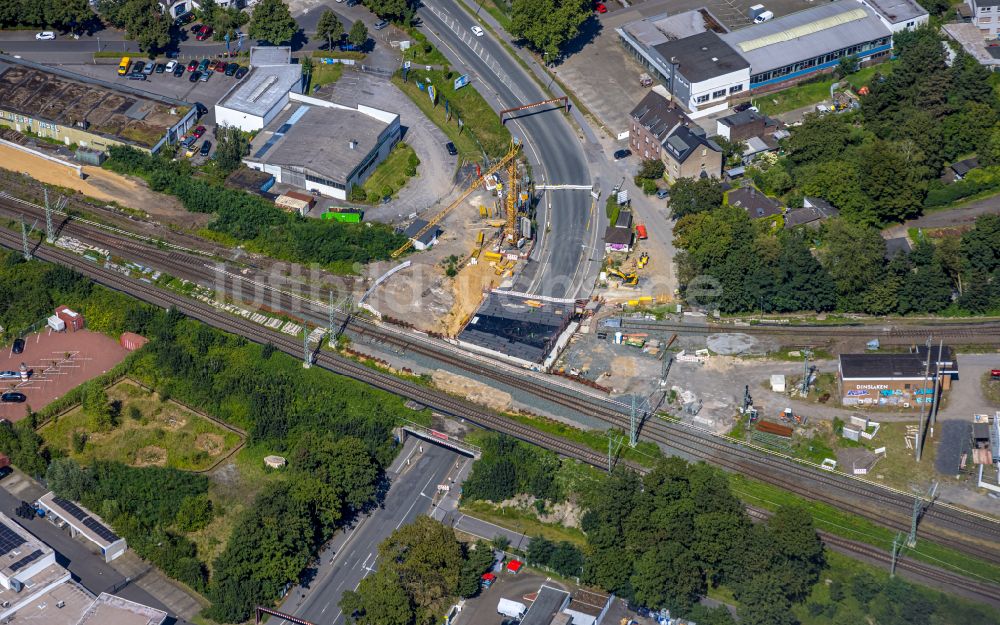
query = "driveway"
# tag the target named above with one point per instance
(435, 179)
(962, 216)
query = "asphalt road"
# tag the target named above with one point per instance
(352, 555)
(87, 568)
(552, 147)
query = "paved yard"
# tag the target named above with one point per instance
(59, 361)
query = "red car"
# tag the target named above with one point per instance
(198, 132)
(206, 32)
(193, 65)
(220, 67)
(600, 8)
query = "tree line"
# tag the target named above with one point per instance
(64, 15)
(738, 265)
(259, 223)
(881, 164)
(509, 467)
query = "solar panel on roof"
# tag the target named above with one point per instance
(9, 539)
(100, 530)
(71, 508)
(26, 560)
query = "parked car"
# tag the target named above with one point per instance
(199, 131)
(620, 154)
(193, 65)
(148, 68)
(205, 33)
(181, 20)
(45, 35)
(600, 7)
(13, 398)
(136, 76)
(206, 147)
(9, 375)
(662, 193)
(205, 76)
(179, 70)
(220, 67)
(231, 69)
(451, 148)
(171, 66)
(763, 17)
(379, 25)
(137, 67)
(477, 31)
(195, 75)
(203, 65)
(189, 141)
(18, 346)
(241, 72)
(160, 68)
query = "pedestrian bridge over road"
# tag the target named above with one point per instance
(441, 438)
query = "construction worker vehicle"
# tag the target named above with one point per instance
(630, 279)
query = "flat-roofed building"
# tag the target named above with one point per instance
(253, 102)
(898, 15)
(323, 146)
(111, 610)
(895, 379)
(789, 48)
(53, 103)
(85, 524)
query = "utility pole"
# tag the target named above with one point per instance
(920, 506)
(306, 356)
(50, 233)
(937, 387)
(920, 428)
(897, 548)
(633, 425)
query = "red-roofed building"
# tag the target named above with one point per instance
(514, 566)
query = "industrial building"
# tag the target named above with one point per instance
(253, 102)
(705, 67)
(895, 379)
(527, 330)
(55, 104)
(554, 606)
(85, 524)
(323, 146)
(36, 590)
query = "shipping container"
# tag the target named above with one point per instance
(351, 217)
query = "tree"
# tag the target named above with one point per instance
(478, 558)
(689, 196)
(68, 14)
(426, 559)
(378, 600)
(668, 576)
(848, 65)
(358, 35)
(194, 513)
(651, 169)
(307, 68)
(854, 256)
(97, 406)
(232, 144)
(272, 22)
(329, 28)
(763, 602)
(144, 21)
(400, 11)
(68, 479)
(793, 536)
(548, 25)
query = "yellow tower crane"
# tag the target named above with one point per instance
(510, 230)
(515, 146)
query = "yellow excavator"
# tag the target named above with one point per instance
(630, 279)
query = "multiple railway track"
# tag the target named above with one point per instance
(984, 331)
(944, 524)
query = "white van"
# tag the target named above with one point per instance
(763, 17)
(513, 609)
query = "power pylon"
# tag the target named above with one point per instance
(920, 507)
(306, 354)
(50, 233)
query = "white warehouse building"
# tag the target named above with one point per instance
(254, 101)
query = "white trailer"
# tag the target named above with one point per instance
(513, 609)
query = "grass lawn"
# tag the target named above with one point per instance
(391, 175)
(815, 91)
(166, 433)
(325, 74)
(522, 521)
(991, 389)
(422, 52)
(482, 124)
(644, 453)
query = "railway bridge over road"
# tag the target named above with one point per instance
(440, 438)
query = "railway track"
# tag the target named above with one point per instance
(958, 330)
(946, 525)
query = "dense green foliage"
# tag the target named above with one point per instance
(694, 195)
(142, 505)
(224, 21)
(330, 28)
(64, 14)
(422, 568)
(662, 539)
(144, 20)
(509, 467)
(563, 557)
(271, 21)
(253, 219)
(548, 25)
(878, 165)
(398, 11)
(751, 268)
(358, 35)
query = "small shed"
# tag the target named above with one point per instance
(132, 341)
(74, 320)
(514, 566)
(57, 324)
(778, 383)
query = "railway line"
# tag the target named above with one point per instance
(984, 331)
(444, 403)
(949, 526)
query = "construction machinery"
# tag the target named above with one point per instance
(629, 279)
(509, 158)
(510, 227)
(643, 260)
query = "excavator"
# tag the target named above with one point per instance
(630, 279)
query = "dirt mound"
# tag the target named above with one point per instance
(472, 390)
(151, 456)
(212, 444)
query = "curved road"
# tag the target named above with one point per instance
(568, 225)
